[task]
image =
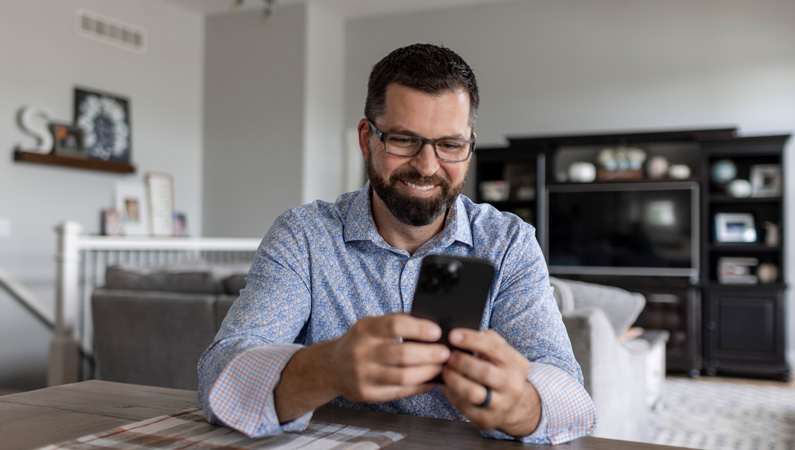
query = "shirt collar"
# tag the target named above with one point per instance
(357, 217)
(359, 225)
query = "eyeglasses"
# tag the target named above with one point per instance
(406, 145)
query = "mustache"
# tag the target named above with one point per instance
(414, 177)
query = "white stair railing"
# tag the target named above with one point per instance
(25, 298)
(81, 262)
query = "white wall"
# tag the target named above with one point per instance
(42, 59)
(274, 131)
(254, 120)
(574, 66)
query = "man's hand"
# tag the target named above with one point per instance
(366, 364)
(514, 407)
(373, 366)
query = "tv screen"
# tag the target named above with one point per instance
(623, 229)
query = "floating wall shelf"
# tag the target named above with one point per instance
(79, 163)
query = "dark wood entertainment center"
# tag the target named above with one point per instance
(725, 310)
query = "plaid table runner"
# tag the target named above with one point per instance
(188, 430)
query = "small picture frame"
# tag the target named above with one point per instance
(180, 224)
(67, 140)
(766, 180)
(131, 201)
(111, 221)
(735, 227)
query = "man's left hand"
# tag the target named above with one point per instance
(514, 406)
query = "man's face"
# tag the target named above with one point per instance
(418, 190)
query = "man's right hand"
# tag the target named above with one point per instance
(373, 366)
(366, 364)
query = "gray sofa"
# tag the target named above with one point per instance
(623, 375)
(152, 325)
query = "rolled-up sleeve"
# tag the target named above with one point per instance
(526, 315)
(261, 332)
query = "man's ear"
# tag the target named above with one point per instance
(364, 136)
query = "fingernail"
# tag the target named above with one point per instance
(456, 337)
(435, 333)
(444, 353)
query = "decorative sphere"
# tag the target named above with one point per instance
(657, 167)
(739, 188)
(582, 172)
(679, 171)
(723, 171)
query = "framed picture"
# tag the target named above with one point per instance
(766, 180)
(180, 224)
(131, 201)
(111, 222)
(160, 190)
(105, 121)
(67, 140)
(735, 227)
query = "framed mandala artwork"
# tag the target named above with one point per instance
(105, 121)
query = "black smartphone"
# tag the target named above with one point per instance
(452, 291)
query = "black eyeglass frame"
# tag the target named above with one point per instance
(382, 135)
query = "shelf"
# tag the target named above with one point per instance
(744, 248)
(66, 161)
(728, 199)
(755, 287)
(665, 182)
(508, 204)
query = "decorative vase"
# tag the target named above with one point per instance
(772, 234)
(767, 273)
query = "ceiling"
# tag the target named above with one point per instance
(348, 9)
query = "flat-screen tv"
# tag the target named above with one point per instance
(623, 229)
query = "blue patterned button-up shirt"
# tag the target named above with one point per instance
(323, 266)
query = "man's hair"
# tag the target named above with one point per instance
(427, 67)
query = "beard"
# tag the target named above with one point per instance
(408, 209)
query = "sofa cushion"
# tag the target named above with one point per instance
(195, 277)
(233, 284)
(621, 307)
(152, 338)
(563, 295)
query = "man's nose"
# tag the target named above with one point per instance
(425, 161)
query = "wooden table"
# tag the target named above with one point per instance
(33, 419)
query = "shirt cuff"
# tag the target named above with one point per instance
(242, 396)
(567, 411)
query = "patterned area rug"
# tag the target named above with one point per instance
(716, 416)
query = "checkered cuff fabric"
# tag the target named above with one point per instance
(567, 411)
(242, 397)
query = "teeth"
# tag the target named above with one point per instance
(419, 188)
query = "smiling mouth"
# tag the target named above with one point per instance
(420, 188)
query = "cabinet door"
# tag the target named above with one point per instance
(744, 326)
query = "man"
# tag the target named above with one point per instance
(323, 317)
